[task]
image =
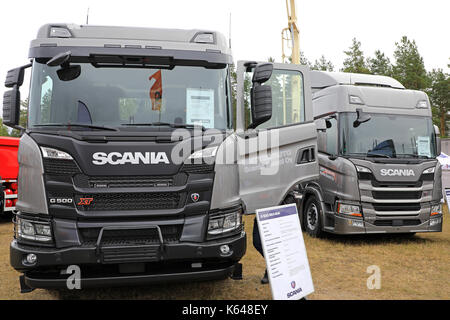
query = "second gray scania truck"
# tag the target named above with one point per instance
(377, 158)
(133, 166)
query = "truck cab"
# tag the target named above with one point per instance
(134, 166)
(377, 157)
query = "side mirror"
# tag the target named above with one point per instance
(361, 117)
(262, 73)
(438, 140)
(69, 73)
(59, 59)
(321, 141)
(66, 72)
(321, 124)
(261, 96)
(11, 98)
(15, 76)
(11, 107)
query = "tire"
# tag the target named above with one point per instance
(312, 216)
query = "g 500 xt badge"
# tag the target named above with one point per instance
(61, 200)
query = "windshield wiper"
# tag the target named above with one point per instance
(172, 125)
(80, 125)
(375, 155)
(412, 155)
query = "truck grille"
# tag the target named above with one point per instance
(396, 206)
(198, 168)
(118, 181)
(390, 223)
(61, 167)
(130, 182)
(397, 195)
(170, 233)
(128, 201)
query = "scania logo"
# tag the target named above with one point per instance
(397, 172)
(195, 197)
(295, 291)
(115, 158)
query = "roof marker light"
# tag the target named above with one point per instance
(422, 104)
(58, 32)
(204, 37)
(355, 99)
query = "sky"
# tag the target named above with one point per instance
(326, 26)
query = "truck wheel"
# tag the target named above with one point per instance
(313, 217)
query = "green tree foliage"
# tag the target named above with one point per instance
(380, 64)
(247, 87)
(304, 60)
(355, 61)
(323, 64)
(3, 129)
(409, 68)
(439, 93)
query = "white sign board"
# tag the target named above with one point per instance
(200, 107)
(447, 196)
(285, 252)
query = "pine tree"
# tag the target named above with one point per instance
(323, 64)
(304, 61)
(355, 61)
(380, 64)
(439, 93)
(409, 68)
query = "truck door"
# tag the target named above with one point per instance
(277, 155)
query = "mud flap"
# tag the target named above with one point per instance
(24, 288)
(237, 272)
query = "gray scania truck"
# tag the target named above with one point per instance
(377, 158)
(135, 168)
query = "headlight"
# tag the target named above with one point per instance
(33, 230)
(224, 223)
(355, 99)
(363, 169)
(428, 171)
(349, 209)
(436, 209)
(51, 153)
(435, 221)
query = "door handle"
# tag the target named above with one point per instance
(306, 155)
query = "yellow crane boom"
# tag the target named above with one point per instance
(291, 34)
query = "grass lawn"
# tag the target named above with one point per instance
(411, 268)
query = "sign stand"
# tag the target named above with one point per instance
(285, 252)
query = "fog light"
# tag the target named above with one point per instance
(225, 249)
(435, 221)
(31, 258)
(356, 223)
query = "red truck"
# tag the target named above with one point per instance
(9, 168)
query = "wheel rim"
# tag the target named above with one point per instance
(312, 217)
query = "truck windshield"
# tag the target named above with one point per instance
(387, 136)
(123, 98)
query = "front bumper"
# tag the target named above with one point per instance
(172, 263)
(343, 225)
